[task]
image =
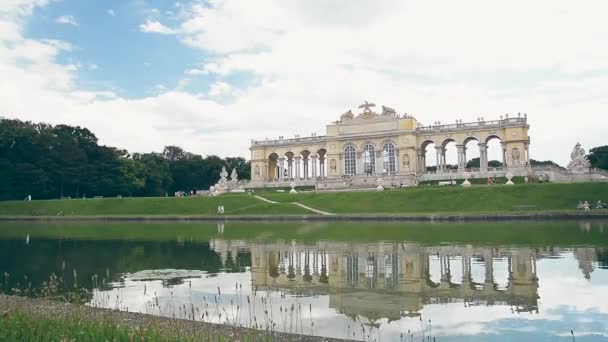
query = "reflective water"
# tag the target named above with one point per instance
(380, 281)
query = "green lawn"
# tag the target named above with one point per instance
(436, 199)
(419, 200)
(233, 204)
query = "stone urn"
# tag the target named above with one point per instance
(466, 182)
(380, 187)
(293, 188)
(509, 176)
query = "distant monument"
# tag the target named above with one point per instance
(578, 161)
(224, 185)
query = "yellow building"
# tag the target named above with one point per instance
(388, 147)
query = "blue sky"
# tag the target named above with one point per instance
(115, 53)
(211, 75)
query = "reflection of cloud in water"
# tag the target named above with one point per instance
(467, 292)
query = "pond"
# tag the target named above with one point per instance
(528, 281)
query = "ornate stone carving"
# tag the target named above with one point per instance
(333, 166)
(367, 112)
(578, 160)
(257, 170)
(347, 116)
(406, 161)
(516, 155)
(387, 111)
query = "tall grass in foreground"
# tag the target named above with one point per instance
(25, 327)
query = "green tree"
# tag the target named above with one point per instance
(598, 157)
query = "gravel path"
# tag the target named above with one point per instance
(197, 330)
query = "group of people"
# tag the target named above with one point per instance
(220, 209)
(584, 205)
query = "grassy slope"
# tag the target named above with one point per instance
(233, 205)
(476, 199)
(426, 199)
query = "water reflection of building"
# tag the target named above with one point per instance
(392, 280)
(388, 279)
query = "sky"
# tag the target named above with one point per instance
(211, 75)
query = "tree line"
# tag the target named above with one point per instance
(47, 162)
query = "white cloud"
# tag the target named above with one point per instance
(111, 12)
(220, 89)
(153, 26)
(308, 62)
(196, 72)
(67, 20)
(93, 66)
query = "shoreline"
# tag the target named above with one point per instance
(473, 217)
(44, 309)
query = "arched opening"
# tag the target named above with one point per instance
(429, 156)
(369, 159)
(389, 158)
(290, 164)
(495, 152)
(273, 165)
(322, 168)
(471, 153)
(350, 160)
(305, 161)
(450, 155)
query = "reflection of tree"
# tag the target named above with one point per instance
(96, 262)
(602, 258)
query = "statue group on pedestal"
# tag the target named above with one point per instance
(578, 160)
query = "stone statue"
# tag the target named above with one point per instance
(578, 160)
(347, 116)
(333, 166)
(367, 112)
(234, 177)
(223, 176)
(387, 111)
(257, 170)
(366, 106)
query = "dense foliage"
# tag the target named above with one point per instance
(47, 161)
(599, 157)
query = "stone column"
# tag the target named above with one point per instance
(483, 157)
(461, 158)
(322, 166)
(305, 168)
(527, 145)
(504, 153)
(265, 171)
(418, 160)
(290, 166)
(281, 168)
(298, 167)
(314, 166)
(439, 151)
(359, 169)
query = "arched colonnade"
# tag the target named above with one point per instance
(303, 165)
(439, 146)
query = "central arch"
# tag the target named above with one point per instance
(369, 159)
(390, 159)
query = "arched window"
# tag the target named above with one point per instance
(388, 153)
(350, 161)
(369, 159)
